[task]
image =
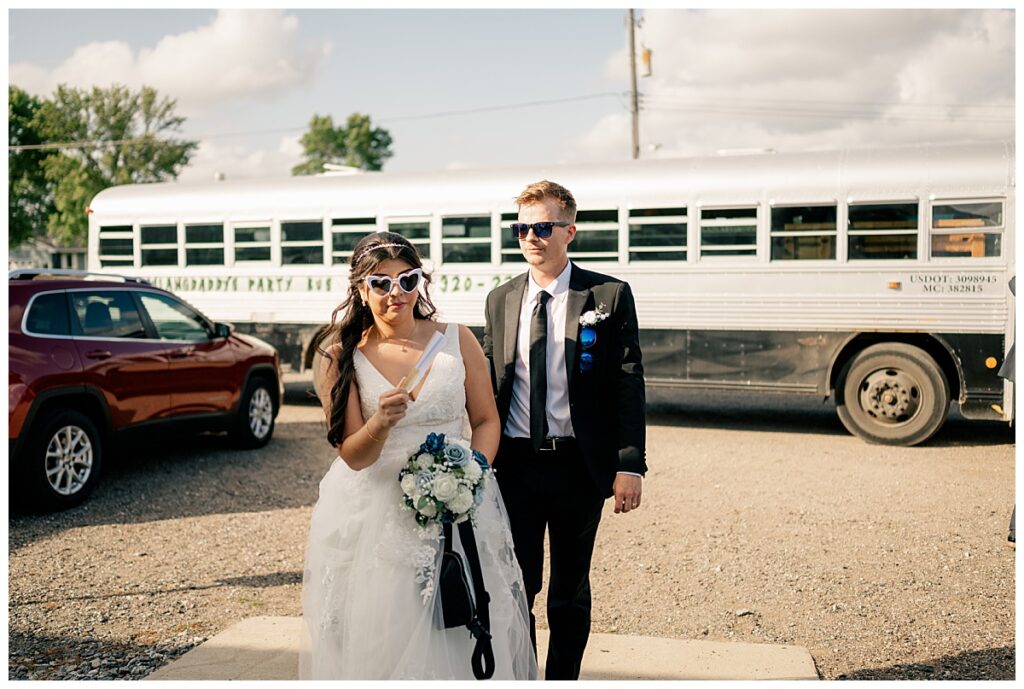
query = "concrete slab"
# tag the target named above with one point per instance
(266, 648)
(255, 648)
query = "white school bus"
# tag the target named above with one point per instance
(878, 276)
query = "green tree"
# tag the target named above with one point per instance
(357, 144)
(120, 137)
(29, 194)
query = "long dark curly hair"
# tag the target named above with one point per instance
(357, 317)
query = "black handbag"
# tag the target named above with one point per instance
(464, 600)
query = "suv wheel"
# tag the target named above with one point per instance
(62, 460)
(254, 424)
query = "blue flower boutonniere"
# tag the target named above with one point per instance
(588, 336)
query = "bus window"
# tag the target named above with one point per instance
(117, 245)
(416, 231)
(302, 242)
(510, 251)
(882, 231)
(466, 239)
(158, 245)
(803, 233)
(967, 230)
(728, 232)
(252, 243)
(204, 245)
(346, 233)
(657, 234)
(597, 236)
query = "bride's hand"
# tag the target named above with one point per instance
(392, 405)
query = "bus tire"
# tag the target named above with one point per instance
(893, 394)
(254, 423)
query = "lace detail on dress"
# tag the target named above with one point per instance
(439, 408)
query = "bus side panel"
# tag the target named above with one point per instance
(774, 361)
(291, 340)
(980, 357)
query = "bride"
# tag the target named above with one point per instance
(369, 605)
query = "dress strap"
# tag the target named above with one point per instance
(451, 332)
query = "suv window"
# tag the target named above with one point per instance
(48, 315)
(173, 320)
(102, 313)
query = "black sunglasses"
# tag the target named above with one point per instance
(543, 230)
(407, 282)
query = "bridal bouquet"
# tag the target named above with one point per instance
(443, 480)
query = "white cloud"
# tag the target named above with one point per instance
(240, 53)
(806, 79)
(291, 147)
(240, 161)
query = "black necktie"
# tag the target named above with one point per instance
(539, 371)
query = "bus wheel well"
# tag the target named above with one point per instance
(929, 344)
(310, 347)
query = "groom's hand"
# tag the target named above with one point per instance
(627, 489)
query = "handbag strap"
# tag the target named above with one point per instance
(480, 625)
(446, 532)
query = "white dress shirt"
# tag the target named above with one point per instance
(557, 403)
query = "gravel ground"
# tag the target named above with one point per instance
(756, 526)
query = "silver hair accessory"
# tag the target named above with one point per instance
(375, 246)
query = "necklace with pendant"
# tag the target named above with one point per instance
(400, 342)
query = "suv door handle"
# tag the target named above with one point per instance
(97, 354)
(182, 353)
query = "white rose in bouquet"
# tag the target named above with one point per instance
(424, 461)
(472, 472)
(429, 510)
(462, 502)
(445, 486)
(409, 484)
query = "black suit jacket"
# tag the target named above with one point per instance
(607, 403)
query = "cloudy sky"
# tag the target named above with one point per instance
(485, 87)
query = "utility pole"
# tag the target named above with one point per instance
(634, 109)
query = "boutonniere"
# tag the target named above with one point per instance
(594, 316)
(588, 336)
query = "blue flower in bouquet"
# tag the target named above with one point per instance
(456, 455)
(434, 443)
(443, 481)
(424, 480)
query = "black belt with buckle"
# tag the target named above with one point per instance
(556, 443)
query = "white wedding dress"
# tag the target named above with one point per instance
(368, 597)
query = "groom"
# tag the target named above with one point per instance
(566, 368)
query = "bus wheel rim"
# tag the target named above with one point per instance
(890, 396)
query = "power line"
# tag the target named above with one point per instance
(401, 118)
(797, 112)
(658, 102)
(881, 104)
(95, 144)
(531, 104)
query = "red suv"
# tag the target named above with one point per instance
(94, 355)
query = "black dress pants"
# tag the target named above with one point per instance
(551, 491)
